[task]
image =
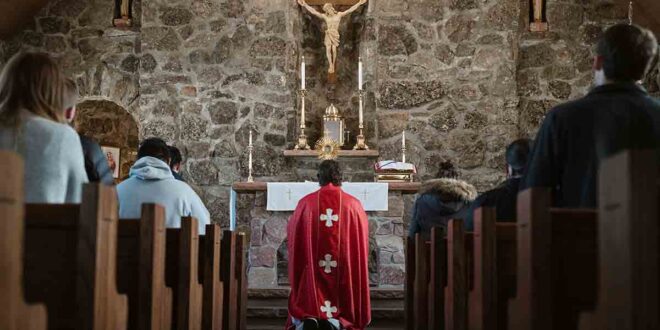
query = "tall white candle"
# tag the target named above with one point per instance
(302, 111)
(403, 140)
(360, 73)
(250, 142)
(302, 74)
(361, 112)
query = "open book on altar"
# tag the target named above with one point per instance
(284, 196)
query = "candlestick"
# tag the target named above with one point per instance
(403, 146)
(360, 73)
(302, 138)
(361, 143)
(250, 148)
(302, 74)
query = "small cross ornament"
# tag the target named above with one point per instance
(328, 309)
(328, 217)
(328, 263)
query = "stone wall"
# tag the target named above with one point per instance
(111, 126)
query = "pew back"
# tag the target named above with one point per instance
(14, 312)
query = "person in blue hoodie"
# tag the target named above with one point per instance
(151, 181)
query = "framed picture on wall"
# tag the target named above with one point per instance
(112, 155)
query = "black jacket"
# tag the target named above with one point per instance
(503, 198)
(96, 165)
(440, 201)
(576, 136)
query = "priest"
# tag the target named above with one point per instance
(328, 239)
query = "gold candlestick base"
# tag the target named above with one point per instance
(361, 142)
(302, 142)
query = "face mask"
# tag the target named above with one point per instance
(599, 78)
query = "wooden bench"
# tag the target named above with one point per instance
(491, 270)
(233, 276)
(141, 269)
(209, 262)
(628, 256)
(556, 263)
(15, 312)
(70, 261)
(437, 280)
(182, 274)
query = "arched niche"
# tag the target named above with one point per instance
(111, 126)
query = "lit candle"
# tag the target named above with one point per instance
(360, 73)
(250, 143)
(302, 74)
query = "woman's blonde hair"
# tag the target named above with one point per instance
(34, 82)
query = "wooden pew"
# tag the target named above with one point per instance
(556, 264)
(181, 274)
(141, 269)
(233, 276)
(438, 280)
(209, 261)
(491, 270)
(70, 261)
(15, 313)
(628, 244)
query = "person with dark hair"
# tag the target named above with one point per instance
(96, 164)
(151, 181)
(440, 200)
(617, 114)
(504, 197)
(328, 244)
(175, 162)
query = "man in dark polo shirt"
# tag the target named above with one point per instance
(617, 114)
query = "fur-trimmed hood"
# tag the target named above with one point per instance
(452, 189)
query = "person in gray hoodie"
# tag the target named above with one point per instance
(151, 181)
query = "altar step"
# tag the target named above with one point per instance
(267, 308)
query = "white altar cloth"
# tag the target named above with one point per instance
(284, 196)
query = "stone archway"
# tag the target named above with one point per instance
(110, 125)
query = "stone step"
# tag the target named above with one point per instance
(271, 304)
(278, 324)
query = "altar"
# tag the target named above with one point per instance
(268, 258)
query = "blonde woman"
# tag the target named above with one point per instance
(33, 124)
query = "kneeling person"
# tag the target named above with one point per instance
(328, 243)
(151, 181)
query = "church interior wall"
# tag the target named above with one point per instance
(462, 77)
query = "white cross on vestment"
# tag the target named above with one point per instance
(328, 217)
(328, 263)
(328, 309)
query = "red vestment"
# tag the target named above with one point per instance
(328, 245)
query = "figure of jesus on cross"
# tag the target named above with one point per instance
(332, 19)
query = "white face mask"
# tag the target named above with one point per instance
(599, 78)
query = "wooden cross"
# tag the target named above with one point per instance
(538, 24)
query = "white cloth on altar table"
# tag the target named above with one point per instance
(284, 196)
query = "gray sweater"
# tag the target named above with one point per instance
(54, 163)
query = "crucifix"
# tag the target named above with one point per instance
(289, 193)
(123, 13)
(538, 22)
(332, 18)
